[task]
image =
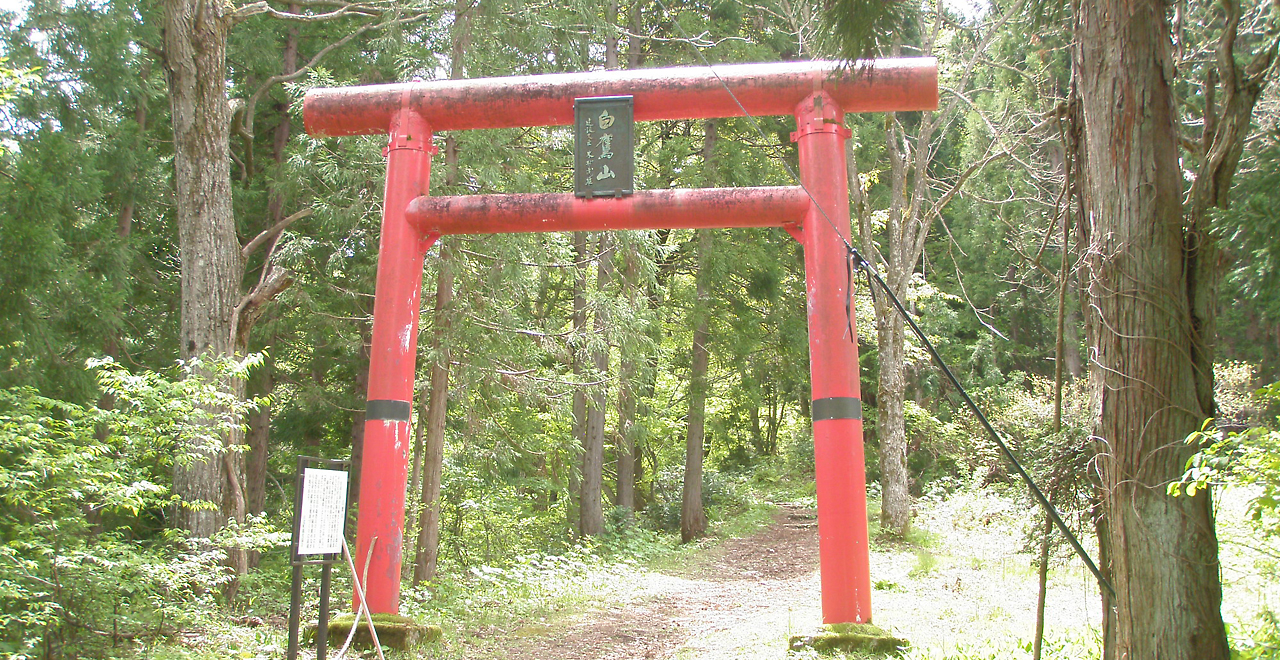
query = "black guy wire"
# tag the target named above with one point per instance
(995, 435)
(859, 262)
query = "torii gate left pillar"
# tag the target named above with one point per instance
(816, 93)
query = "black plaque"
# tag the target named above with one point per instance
(604, 152)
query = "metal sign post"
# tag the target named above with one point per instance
(604, 146)
(319, 522)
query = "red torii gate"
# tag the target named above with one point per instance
(817, 93)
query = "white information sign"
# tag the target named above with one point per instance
(324, 511)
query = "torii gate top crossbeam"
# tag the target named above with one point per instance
(668, 93)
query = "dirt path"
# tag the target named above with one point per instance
(745, 584)
(967, 587)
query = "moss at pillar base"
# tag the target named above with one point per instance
(394, 631)
(860, 638)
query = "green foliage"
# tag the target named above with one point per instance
(528, 586)
(926, 563)
(1056, 647)
(84, 556)
(85, 138)
(1249, 459)
(1257, 641)
(865, 28)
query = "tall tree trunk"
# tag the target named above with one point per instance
(124, 222)
(635, 43)
(890, 427)
(258, 435)
(280, 138)
(428, 545)
(629, 357)
(195, 42)
(358, 417)
(693, 518)
(757, 434)
(592, 503)
(124, 227)
(577, 365)
(1162, 551)
(628, 373)
(895, 502)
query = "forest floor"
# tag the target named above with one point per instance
(963, 584)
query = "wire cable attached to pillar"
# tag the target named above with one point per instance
(857, 262)
(861, 264)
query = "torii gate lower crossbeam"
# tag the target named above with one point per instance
(817, 215)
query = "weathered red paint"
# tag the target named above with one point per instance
(649, 209)
(833, 364)
(818, 93)
(391, 361)
(669, 93)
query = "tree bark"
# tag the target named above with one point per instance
(592, 504)
(358, 417)
(577, 360)
(428, 546)
(628, 373)
(1162, 551)
(693, 519)
(890, 427)
(258, 439)
(257, 448)
(195, 41)
(258, 435)
(895, 501)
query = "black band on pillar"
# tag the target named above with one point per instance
(388, 409)
(837, 407)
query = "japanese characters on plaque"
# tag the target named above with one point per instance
(323, 513)
(604, 159)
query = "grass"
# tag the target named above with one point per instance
(959, 586)
(926, 563)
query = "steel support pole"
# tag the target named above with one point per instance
(833, 364)
(391, 363)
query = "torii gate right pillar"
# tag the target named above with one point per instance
(833, 365)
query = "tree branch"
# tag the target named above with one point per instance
(254, 304)
(246, 119)
(262, 7)
(964, 176)
(270, 233)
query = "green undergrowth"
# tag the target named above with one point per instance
(1075, 645)
(486, 611)
(484, 608)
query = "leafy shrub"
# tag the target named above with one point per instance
(1260, 640)
(662, 516)
(531, 584)
(799, 453)
(1250, 458)
(84, 560)
(624, 537)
